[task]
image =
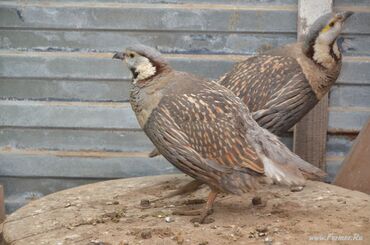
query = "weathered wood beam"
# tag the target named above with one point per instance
(310, 133)
(2, 204)
(355, 171)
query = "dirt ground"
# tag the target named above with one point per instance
(116, 212)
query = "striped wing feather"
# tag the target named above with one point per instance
(204, 135)
(274, 88)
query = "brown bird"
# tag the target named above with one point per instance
(284, 84)
(204, 130)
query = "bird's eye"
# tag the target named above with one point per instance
(131, 55)
(331, 24)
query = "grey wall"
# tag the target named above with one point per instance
(64, 116)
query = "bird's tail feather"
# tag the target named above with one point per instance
(281, 164)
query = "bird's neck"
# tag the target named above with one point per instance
(145, 96)
(324, 54)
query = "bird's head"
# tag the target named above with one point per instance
(144, 62)
(326, 29)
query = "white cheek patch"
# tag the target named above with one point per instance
(145, 70)
(143, 67)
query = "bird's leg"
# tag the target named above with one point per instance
(204, 212)
(189, 187)
(208, 209)
(154, 153)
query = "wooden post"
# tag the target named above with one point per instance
(2, 204)
(355, 171)
(310, 133)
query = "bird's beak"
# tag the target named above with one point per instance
(119, 55)
(345, 15)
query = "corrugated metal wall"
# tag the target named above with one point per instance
(64, 116)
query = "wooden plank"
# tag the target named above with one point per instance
(348, 95)
(351, 3)
(67, 114)
(355, 70)
(355, 172)
(100, 66)
(310, 132)
(2, 207)
(61, 164)
(75, 140)
(112, 115)
(338, 145)
(63, 90)
(232, 2)
(125, 16)
(167, 41)
(347, 119)
(81, 140)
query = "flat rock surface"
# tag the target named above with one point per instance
(116, 212)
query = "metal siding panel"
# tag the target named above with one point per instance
(157, 17)
(64, 90)
(75, 140)
(100, 66)
(350, 96)
(348, 120)
(67, 115)
(28, 165)
(167, 42)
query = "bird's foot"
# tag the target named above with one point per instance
(189, 187)
(202, 213)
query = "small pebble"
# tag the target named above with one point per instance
(261, 234)
(196, 224)
(146, 234)
(296, 188)
(169, 219)
(256, 201)
(268, 240)
(145, 203)
(262, 229)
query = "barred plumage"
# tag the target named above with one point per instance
(207, 132)
(284, 84)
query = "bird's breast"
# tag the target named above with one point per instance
(143, 101)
